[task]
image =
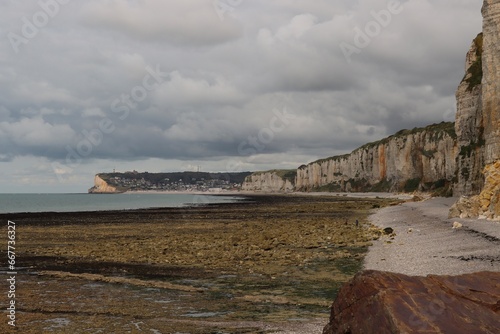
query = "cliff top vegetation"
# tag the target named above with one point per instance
(474, 73)
(437, 130)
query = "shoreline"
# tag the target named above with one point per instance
(426, 242)
(92, 250)
(239, 197)
(273, 263)
(402, 196)
(113, 212)
(115, 204)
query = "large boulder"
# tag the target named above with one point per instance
(383, 302)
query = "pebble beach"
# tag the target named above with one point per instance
(426, 242)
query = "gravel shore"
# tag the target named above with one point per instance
(426, 242)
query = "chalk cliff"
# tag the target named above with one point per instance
(487, 203)
(102, 187)
(271, 181)
(469, 125)
(417, 159)
(489, 198)
(491, 80)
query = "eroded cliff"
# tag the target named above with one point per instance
(417, 159)
(469, 125)
(487, 203)
(489, 198)
(271, 181)
(102, 187)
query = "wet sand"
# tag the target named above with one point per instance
(272, 264)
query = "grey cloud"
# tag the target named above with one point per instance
(188, 22)
(224, 79)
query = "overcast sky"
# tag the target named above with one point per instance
(228, 85)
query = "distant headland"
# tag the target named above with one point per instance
(113, 183)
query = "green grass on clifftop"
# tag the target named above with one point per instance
(438, 130)
(474, 74)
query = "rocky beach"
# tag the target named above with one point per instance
(431, 274)
(427, 242)
(267, 264)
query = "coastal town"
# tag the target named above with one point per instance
(181, 181)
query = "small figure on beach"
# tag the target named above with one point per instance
(357, 223)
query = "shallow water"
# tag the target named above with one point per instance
(235, 268)
(15, 203)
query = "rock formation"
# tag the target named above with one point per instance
(489, 198)
(102, 187)
(469, 124)
(491, 80)
(382, 302)
(271, 181)
(417, 159)
(410, 160)
(487, 203)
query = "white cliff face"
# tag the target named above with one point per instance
(102, 187)
(418, 159)
(469, 125)
(408, 160)
(270, 181)
(487, 203)
(491, 79)
(489, 199)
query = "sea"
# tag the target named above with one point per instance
(17, 203)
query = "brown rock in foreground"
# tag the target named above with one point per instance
(383, 302)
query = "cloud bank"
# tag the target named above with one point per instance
(175, 84)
